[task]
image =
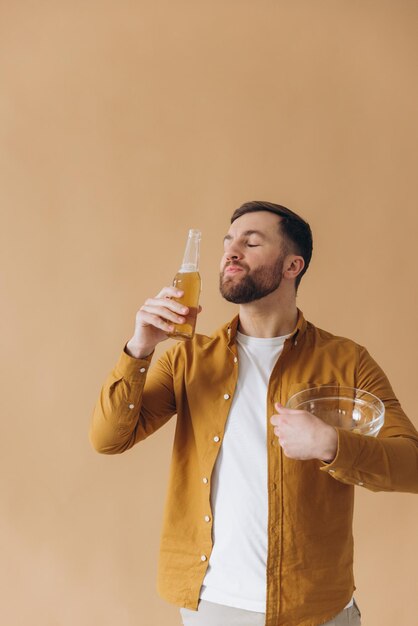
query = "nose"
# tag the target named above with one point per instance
(233, 252)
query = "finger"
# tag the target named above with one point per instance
(170, 292)
(164, 313)
(279, 407)
(278, 420)
(282, 410)
(156, 321)
(167, 303)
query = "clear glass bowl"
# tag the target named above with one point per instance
(345, 407)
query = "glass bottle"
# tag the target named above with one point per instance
(188, 280)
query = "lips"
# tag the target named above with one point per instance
(233, 269)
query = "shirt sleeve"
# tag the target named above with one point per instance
(388, 462)
(134, 402)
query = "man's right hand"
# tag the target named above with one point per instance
(154, 320)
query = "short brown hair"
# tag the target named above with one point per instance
(296, 231)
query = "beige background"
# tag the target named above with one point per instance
(122, 125)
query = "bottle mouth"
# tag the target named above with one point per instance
(193, 232)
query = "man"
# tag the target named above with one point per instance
(258, 524)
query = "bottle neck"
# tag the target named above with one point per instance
(191, 253)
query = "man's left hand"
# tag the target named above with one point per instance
(303, 436)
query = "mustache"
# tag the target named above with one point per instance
(235, 264)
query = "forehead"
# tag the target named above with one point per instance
(261, 221)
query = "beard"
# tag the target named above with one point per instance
(260, 283)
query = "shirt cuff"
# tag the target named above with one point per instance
(130, 368)
(349, 447)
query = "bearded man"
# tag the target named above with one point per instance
(258, 523)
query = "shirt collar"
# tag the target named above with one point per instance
(299, 330)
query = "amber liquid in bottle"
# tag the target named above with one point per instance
(188, 280)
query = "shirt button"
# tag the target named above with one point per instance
(203, 558)
(142, 370)
(207, 518)
(360, 484)
(216, 439)
(131, 406)
(235, 359)
(226, 396)
(205, 480)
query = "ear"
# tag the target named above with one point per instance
(292, 267)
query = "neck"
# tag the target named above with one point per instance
(268, 317)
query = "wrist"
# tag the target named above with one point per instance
(138, 351)
(330, 448)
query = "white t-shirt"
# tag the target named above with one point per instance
(236, 574)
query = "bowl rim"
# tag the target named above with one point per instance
(341, 388)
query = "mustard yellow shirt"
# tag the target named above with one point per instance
(310, 542)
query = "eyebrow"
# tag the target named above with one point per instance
(247, 233)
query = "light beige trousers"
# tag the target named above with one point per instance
(211, 614)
